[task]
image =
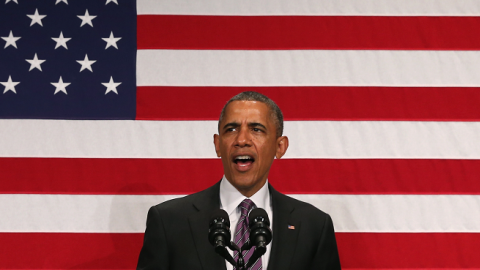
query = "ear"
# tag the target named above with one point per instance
(216, 142)
(282, 146)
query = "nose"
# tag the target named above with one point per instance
(244, 137)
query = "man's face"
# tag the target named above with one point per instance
(247, 144)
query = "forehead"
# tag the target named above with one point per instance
(241, 110)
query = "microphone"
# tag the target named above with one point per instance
(219, 234)
(260, 234)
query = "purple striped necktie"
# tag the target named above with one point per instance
(242, 233)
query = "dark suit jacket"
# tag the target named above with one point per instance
(177, 235)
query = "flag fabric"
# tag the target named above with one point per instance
(109, 107)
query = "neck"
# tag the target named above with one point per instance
(250, 191)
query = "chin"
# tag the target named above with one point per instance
(244, 181)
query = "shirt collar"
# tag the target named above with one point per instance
(230, 197)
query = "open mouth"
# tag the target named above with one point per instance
(244, 160)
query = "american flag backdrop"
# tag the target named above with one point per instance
(110, 106)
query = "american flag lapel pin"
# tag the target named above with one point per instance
(291, 227)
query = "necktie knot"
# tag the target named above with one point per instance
(245, 207)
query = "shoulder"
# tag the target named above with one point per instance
(303, 207)
(301, 210)
(190, 202)
(316, 222)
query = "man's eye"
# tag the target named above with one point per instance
(257, 130)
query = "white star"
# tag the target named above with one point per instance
(9, 85)
(36, 18)
(11, 0)
(111, 86)
(86, 64)
(111, 41)
(58, 1)
(35, 63)
(60, 86)
(10, 40)
(114, 1)
(61, 41)
(86, 19)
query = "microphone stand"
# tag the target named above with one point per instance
(257, 253)
(240, 263)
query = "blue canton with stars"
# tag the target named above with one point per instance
(67, 59)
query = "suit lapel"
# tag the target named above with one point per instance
(205, 204)
(284, 238)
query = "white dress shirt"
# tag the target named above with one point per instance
(230, 198)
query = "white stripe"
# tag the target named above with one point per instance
(194, 139)
(76, 213)
(107, 139)
(365, 139)
(400, 213)
(351, 213)
(307, 68)
(311, 7)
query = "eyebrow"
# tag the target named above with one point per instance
(256, 125)
(231, 124)
(236, 124)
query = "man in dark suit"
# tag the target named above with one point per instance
(250, 137)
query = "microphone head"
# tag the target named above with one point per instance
(260, 232)
(219, 215)
(258, 215)
(219, 234)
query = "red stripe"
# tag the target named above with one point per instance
(307, 32)
(409, 250)
(69, 250)
(108, 176)
(357, 250)
(317, 103)
(184, 176)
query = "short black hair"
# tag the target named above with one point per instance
(276, 113)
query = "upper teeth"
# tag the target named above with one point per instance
(243, 157)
